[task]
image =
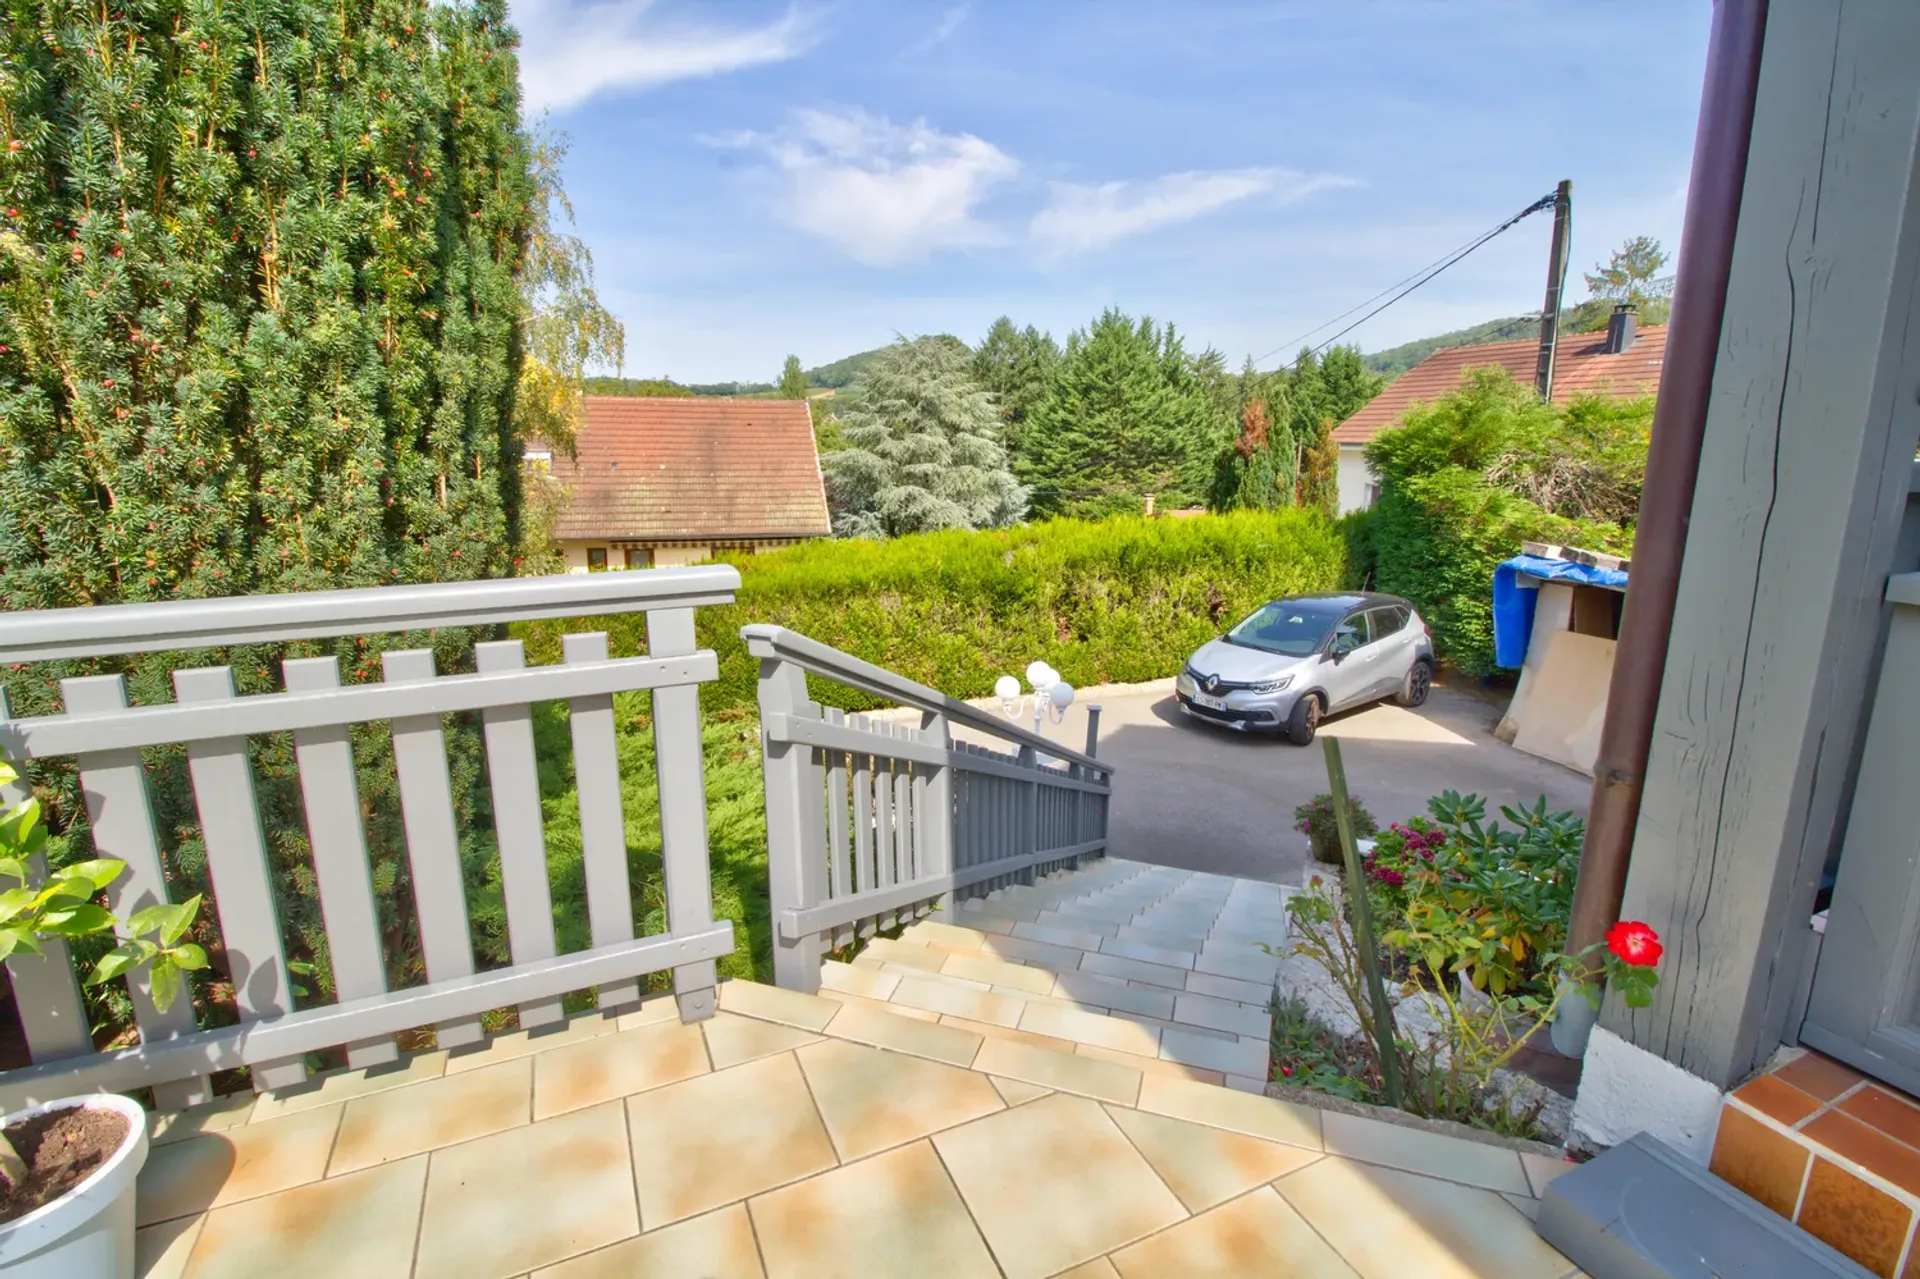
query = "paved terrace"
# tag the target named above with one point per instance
(800, 1135)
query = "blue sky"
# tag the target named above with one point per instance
(762, 178)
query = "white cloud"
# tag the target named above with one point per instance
(1081, 217)
(570, 52)
(882, 193)
(949, 23)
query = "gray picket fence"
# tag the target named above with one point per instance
(872, 824)
(104, 736)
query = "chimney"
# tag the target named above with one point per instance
(1149, 506)
(1620, 328)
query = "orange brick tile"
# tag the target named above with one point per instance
(1868, 1147)
(1778, 1100)
(1756, 1159)
(1886, 1111)
(1820, 1076)
(1860, 1220)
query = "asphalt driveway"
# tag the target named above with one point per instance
(1191, 795)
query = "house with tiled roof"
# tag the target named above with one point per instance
(1619, 361)
(655, 482)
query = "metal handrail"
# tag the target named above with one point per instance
(777, 642)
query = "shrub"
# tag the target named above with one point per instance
(1316, 820)
(1448, 513)
(1119, 600)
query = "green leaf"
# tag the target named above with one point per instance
(179, 920)
(9, 938)
(14, 868)
(15, 900)
(166, 982)
(188, 956)
(120, 959)
(99, 872)
(82, 920)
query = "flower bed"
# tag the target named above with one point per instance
(1472, 919)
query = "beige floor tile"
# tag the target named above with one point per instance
(1389, 1224)
(1054, 1183)
(947, 995)
(1018, 1092)
(345, 1085)
(1005, 1032)
(1033, 952)
(1097, 1029)
(597, 1070)
(1151, 1065)
(362, 1224)
(984, 923)
(732, 1041)
(719, 1245)
(1066, 1072)
(160, 1252)
(216, 1116)
(1434, 1154)
(933, 931)
(652, 1011)
(1542, 1170)
(871, 1099)
(523, 1043)
(407, 1121)
(191, 1176)
(770, 1003)
(860, 1023)
(872, 983)
(1000, 972)
(1206, 1166)
(1246, 1083)
(880, 950)
(1265, 1117)
(878, 1006)
(894, 1214)
(928, 974)
(1098, 1268)
(723, 1137)
(1259, 1234)
(528, 1197)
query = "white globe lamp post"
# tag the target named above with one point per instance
(1049, 699)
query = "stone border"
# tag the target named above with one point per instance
(1388, 1115)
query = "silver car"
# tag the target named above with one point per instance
(1295, 661)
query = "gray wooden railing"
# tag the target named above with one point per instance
(104, 736)
(871, 823)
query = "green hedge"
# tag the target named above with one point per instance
(1110, 601)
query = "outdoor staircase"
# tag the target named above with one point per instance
(1146, 966)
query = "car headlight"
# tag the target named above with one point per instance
(1272, 685)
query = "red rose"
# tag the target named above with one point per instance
(1635, 943)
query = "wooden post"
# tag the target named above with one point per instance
(1804, 468)
(1362, 917)
(796, 825)
(938, 820)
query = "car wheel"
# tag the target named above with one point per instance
(1304, 720)
(1414, 688)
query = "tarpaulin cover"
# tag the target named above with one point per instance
(1513, 607)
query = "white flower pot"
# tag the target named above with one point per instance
(1573, 1023)
(87, 1233)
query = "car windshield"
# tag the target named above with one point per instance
(1293, 628)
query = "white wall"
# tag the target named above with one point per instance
(1355, 478)
(663, 556)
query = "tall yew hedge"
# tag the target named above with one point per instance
(260, 331)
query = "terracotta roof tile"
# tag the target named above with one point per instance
(1581, 366)
(680, 468)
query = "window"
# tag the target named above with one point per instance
(641, 557)
(1386, 621)
(596, 559)
(1291, 628)
(538, 459)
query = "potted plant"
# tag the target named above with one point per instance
(67, 1167)
(1316, 821)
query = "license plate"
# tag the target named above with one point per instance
(1211, 703)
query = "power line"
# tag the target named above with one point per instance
(1411, 283)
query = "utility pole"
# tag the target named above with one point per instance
(1556, 282)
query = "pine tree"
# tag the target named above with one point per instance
(922, 448)
(1258, 471)
(1129, 414)
(793, 382)
(1018, 366)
